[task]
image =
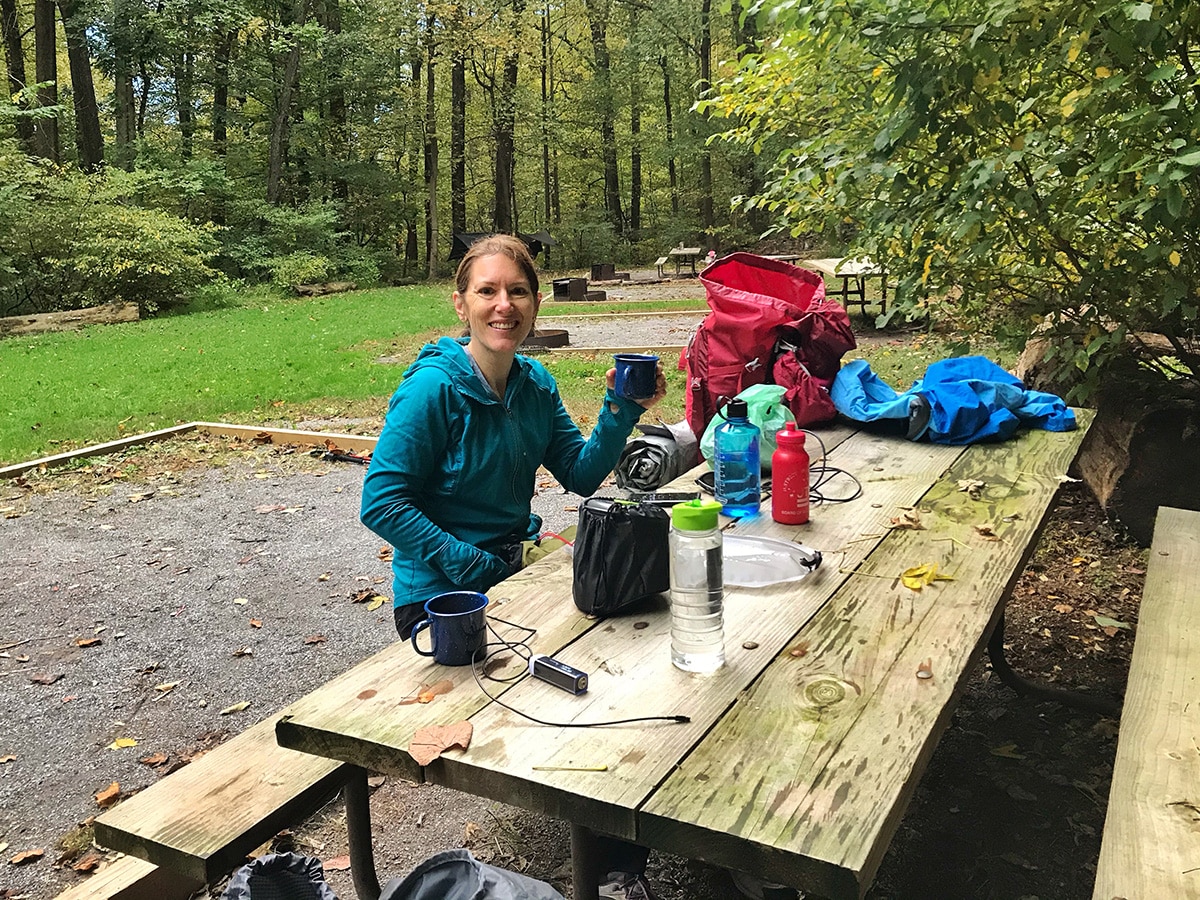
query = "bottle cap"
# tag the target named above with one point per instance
(790, 436)
(737, 409)
(695, 515)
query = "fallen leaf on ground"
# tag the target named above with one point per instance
(918, 576)
(241, 601)
(1063, 607)
(385, 553)
(256, 623)
(7, 759)
(315, 639)
(324, 576)
(122, 743)
(337, 864)
(471, 831)
(166, 686)
(154, 760)
(27, 856)
(89, 863)
(108, 796)
(429, 742)
(1008, 751)
(87, 642)
(270, 507)
(45, 678)
(376, 602)
(1106, 623)
(237, 707)
(242, 651)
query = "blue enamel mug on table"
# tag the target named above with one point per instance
(457, 627)
(637, 375)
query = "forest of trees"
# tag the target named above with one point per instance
(305, 140)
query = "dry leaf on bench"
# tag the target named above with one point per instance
(987, 532)
(108, 796)
(429, 742)
(910, 519)
(971, 487)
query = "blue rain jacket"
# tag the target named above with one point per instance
(452, 477)
(968, 399)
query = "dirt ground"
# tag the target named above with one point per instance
(148, 594)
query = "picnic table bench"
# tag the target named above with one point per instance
(1151, 842)
(856, 270)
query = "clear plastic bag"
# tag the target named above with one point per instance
(766, 409)
(762, 561)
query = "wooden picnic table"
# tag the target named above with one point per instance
(856, 270)
(799, 757)
(685, 255)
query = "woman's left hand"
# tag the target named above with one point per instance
(660, 386)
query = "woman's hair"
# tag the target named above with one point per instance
(512, 247)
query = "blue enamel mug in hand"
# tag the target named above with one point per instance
(637, 375)
(457, 628)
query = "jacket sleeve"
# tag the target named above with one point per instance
(415, 435)
(581, 465)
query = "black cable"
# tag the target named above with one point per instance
(521, 650)
(825, 474)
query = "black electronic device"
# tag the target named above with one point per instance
(666, 498)
(559, 674)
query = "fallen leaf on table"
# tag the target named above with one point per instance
(919, 576)
(910, 519)
(315, 639)
(122, 743)
(429, 742)
(27, 856)
(971, 487)
(986, 531)
(237, 707)
(108, 796)
(1008, 751)
(428, 692)
(337, 864)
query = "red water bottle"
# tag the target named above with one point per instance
(789, 477)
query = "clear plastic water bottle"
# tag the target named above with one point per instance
(697, 588)
(737, 465)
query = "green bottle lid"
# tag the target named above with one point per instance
(695, 515)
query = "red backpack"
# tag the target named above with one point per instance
(770, 323)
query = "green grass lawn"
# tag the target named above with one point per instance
(273, 361)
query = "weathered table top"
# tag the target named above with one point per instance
(843, 268)
(685, 251)
(802, 753)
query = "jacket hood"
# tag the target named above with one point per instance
(450, 355)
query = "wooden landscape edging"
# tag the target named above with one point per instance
(245, 432)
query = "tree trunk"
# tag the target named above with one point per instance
(45, 34)
(672, 175)
(338, 130)
(88, 140)
(506, 121)
(124, 115)
(458, 141)
(706, 187)
(431, 157)
(635, 135)
(14, 55)
(220, 114)
(547, 76)
(598, 22)
(280, 131)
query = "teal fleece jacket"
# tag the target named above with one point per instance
(453, 473)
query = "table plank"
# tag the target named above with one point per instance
(622, 658)
(807, 778)
(1151, 847)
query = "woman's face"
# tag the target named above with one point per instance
(499, 306)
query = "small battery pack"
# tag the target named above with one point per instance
(559, 674)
